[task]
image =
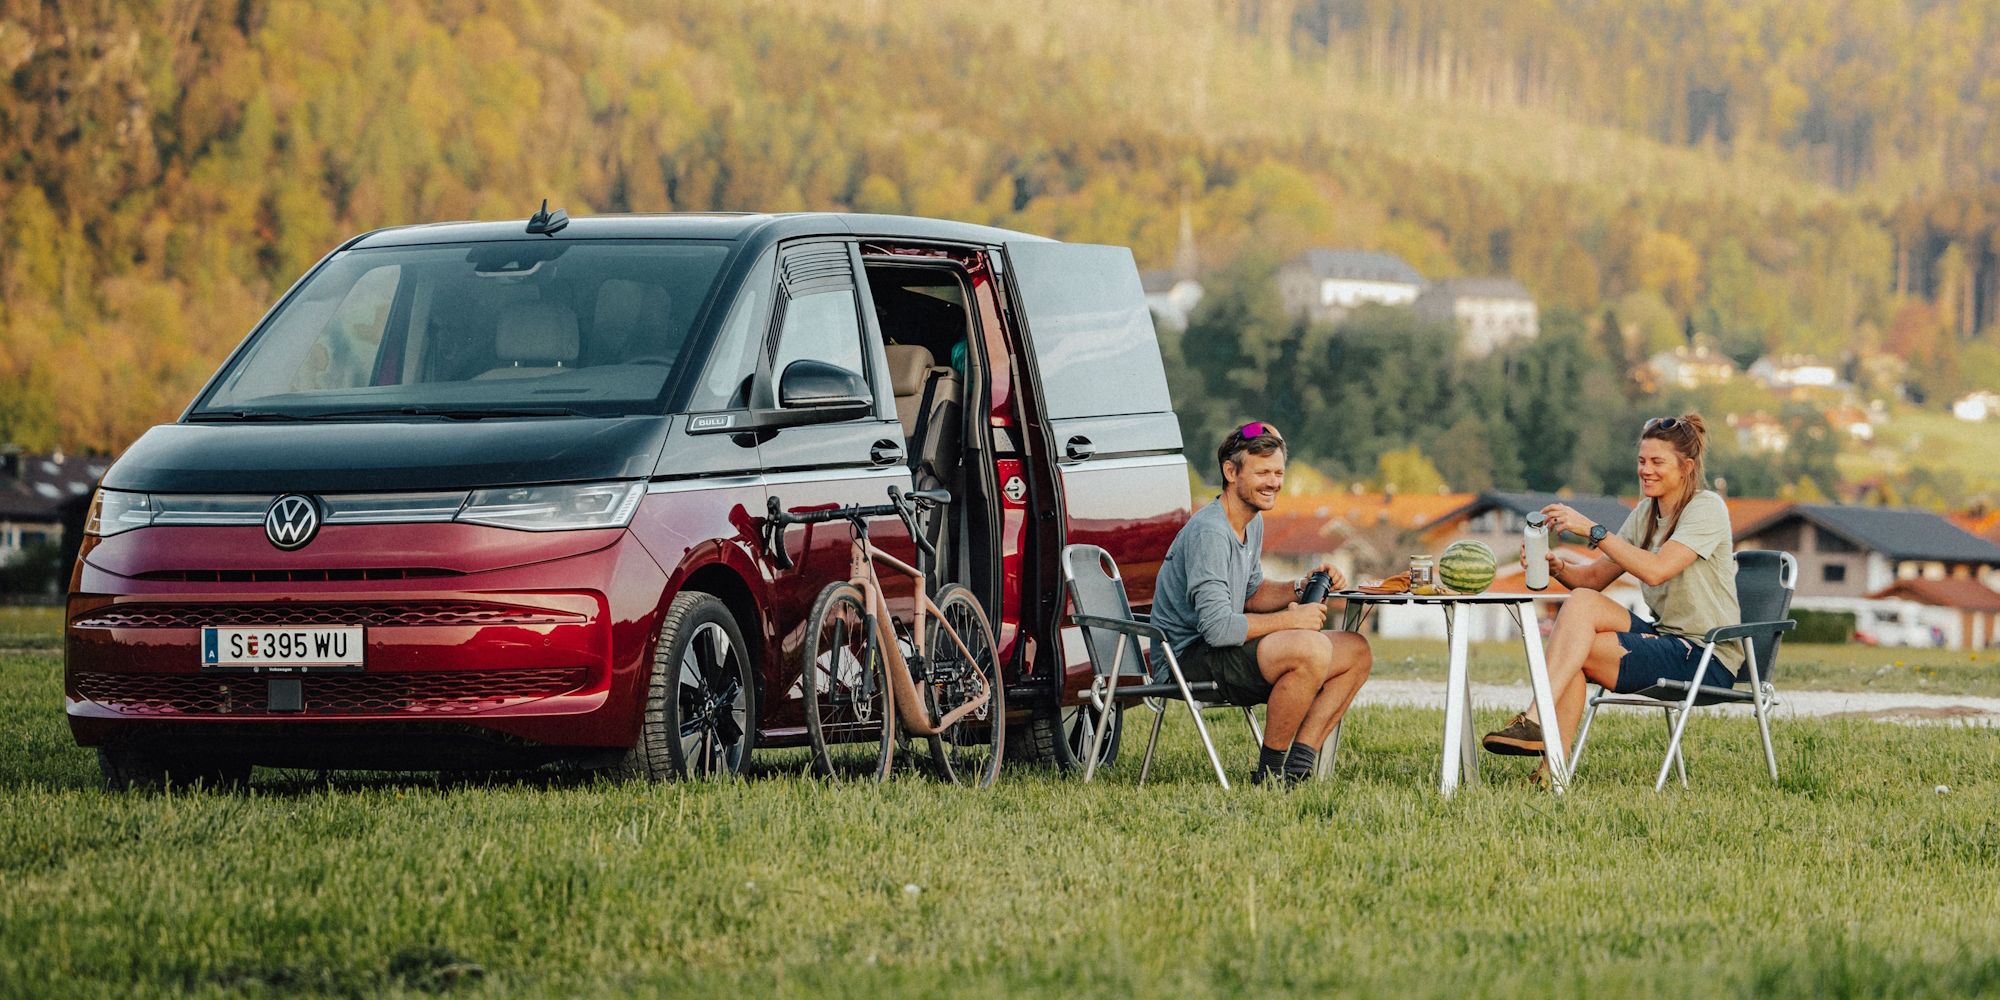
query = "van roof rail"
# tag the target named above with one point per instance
(547, 223)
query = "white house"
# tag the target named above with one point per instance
(1692, 367)
(1324, 285)
(1975, 407)
(1489, 312)
(1172, 299)
(1796, 373)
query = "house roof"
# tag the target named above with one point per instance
(38, 487)
(1299, 535)
(1608, 511)
(1481, 288)
(1747, 511)
(1896, 532)
(1359, 265)
(1962, 594)
(1404, 511)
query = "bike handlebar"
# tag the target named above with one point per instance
(903, 505)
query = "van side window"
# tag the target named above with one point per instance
(823, 326)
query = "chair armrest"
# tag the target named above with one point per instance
(1747, 630)
(1141, 629)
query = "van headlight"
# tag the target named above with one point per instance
(113, 511)
(555, 508)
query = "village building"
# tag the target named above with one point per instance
(1795, 372)
(1851, 552)
(1325, 285)
(1976, 407)
(1691, 367)
(1759, 432)
(42, 500)
(1489, 313)
(1172, 299)
(1958, 613)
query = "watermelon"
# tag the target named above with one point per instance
(1467, 567)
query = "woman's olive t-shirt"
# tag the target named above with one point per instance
(1703, 596)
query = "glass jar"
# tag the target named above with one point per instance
(1423, 575)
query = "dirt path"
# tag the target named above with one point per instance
(1909, 707)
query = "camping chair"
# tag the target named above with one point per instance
(1764, 582)
(1111, 633)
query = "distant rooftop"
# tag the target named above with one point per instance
(1359, 265)
(1898, 533)
(1481, 288)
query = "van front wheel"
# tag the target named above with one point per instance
(700, 717)
(1061, 735)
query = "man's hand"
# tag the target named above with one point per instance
(1336, 579)
(1311, 617)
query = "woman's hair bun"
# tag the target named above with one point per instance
(1694, 420)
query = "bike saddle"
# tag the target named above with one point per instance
(938, 496)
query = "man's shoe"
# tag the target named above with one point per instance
(1521, 738)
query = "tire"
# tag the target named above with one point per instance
(845, 688)
(971, 750)
(700, 716)
(127, 769)
(1060, 735)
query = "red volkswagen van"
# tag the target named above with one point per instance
(491, 495)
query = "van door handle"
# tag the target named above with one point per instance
(885, 452)
(1078, 448)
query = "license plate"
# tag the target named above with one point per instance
(281, 648)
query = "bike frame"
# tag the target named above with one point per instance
(902, 690)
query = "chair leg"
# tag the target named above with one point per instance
(1256, 731)
(1582, 734)
(1194, 709)
(1764, 730)
(1103, 723)
(1328, 752)
(1146, 765)
(1687, 714)
(1680, 759)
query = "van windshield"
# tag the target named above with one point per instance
(535, 327)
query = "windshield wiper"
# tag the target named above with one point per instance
(219, 415)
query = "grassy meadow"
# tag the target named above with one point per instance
(1852, 876)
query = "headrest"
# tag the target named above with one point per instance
(537, 331)
(626, 308)
(908, 364)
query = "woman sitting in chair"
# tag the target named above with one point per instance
(1677, 543)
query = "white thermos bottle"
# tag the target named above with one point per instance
(1535, 548)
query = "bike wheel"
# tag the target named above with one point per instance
(969, 751)
(845, 688)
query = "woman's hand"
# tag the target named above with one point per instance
(1563, 517)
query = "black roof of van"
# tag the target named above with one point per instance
(699, 226)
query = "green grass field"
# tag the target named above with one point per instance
(1850, 877)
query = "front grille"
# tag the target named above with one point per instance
(375, 614)
(291, 575)
(442, 693)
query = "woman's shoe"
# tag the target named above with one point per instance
(1522, 737)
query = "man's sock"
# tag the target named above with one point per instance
(1299, 762)
(1269, 762)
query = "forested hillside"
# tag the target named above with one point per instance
(1773, 175)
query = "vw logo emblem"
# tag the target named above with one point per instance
(292, 521)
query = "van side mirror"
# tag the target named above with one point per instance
(809, 392)
(818, 385)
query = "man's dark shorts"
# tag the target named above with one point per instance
(1232, 668)
(1651, 657)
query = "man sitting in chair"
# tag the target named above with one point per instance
(1249, 635)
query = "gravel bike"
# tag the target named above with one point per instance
(864, 673)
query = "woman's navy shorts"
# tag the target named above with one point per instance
(1651, 657)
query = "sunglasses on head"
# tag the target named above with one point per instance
(1663, 423)
(1256, 429)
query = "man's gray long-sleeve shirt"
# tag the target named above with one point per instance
(1205, 580)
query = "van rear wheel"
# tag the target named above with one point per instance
(1061, 735)
(700, 717)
